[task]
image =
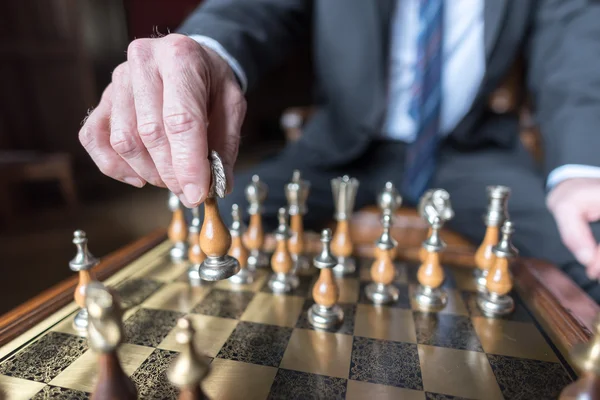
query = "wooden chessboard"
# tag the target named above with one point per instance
(261, 345)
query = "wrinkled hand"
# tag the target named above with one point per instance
(169, 104)
(574, 204)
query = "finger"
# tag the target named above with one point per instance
(148, 99)
(594, 266)
(575, 233)
(95, 138)
(124, 138)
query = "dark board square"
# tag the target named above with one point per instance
(346, 327)
(386, 362)
(446, 330)
(291, 385)
(403, 296)
(151, 377)
(256, 344)
(148, 327)
(59, 393)
(521, 378)
(520, 314)
(134, 292)
(304, 288)
(224, 303)
(46, 358)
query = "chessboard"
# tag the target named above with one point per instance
(261, 346)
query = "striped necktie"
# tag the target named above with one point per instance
(425, 104)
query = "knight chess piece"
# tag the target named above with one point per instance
(191, 367)
(256, 193)
(83, 262)
(283, 280)
(496, 300)
(105, 334)
(325, 313)
(381, 290)
(434, 203)
(495, 216)
(195, 253)
(215, 238)
(238, 249)
(177, 230)
(344, 194)
(296, 193)
(429, 295)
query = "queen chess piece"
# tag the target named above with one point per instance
(344, 195)
(284, 280)
(83, 262)
(383, 272)
(238, 249)
(177, 230)
(256, 194)
(296, 193)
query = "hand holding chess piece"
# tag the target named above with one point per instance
(284, 280)
(381, 290)
(215, 238)
(428, 295)
(195, 253)
(256, 193)
(344, 194)
(177, 230)
(238, 249)
(83, 262)
(296, 193)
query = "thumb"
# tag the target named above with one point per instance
(576, 233)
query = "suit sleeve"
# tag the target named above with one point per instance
(564, 79)
(258, 34)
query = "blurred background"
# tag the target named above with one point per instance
(56, 58)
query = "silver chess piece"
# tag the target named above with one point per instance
(325, 313)
(344, 195)
(436, 203)
(389, 198)
(296, 193)
(193, 231)
(381, 291)
(429, 295)
(82, 263)
(179, 249)
(284, 280)
(246, 275)
(256, 194)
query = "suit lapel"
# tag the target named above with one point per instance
(493, 13)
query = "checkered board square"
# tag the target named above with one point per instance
(261, 345)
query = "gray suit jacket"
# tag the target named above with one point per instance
(560, 41)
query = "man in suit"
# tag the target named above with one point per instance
(402, 89)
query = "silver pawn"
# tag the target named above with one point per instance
(296, 193)
(432, 298)
(256, 194)
(83, 261)
(283, 282)
(319, 315)
(178, 251)
(344, 195)
(389, 199)
(193, 230)
(377, 292)
(246, 275)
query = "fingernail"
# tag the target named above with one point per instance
(584, 256)
(192, 193)
(137, 182)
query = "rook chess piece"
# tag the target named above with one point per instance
(381, 290)
(496, 300)
(296, 193)
(325, 313)
(256, 193)
(238, 249)
(105, 334)
(284, 280)
(344, 194)
(429, 295)
(189, 368)
(177, 230)
(195, 253)
(83, 262)
(215, 238)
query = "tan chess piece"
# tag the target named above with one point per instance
(256, 193)
(496, 300)
(325, 313)
(105, 334)
(191, 367)
(195, 253)
(344, 194)
(296, 193)
(434, 203)
(238, 249)
(177, 230)
(283, 279)
(215, 238)
(496, 214)
(586, 358)
(83, 262)
(429, 295)
(383, 272)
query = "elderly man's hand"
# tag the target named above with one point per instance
(169, 104)
(574, 204)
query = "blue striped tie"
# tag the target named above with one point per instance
(425, 104)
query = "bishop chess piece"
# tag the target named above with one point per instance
(256, 193)
(496, 300)
(389, 199)
(344, 195)
(83, 262)
(177, 230)
(429, 295)
(283, 280)
(238, 249)
(215, 238)
(195, 253)
(325, 313)
(434, 203)
(296, 193)
(191, 367)
(381, 290)
(105, 334)
(496, 215)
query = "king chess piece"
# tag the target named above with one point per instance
(215, 238)
(256, 194)
(344, 195)
(383, 272)
(238, 249)
(284, 280)
(296, 193)
(82, 263)
(195, 254)
(177, 230)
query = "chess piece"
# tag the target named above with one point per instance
(256, 193)
(434, 203)
(381, 290)
(386, 235)
(105, 334)
(238, 249)
(495, 216)
(496, 300)
(195, 253)
(189, 368)
(284, 280)
(296, 193)
(389, 199)
(344, 194)
(586, 358)
(215, 238)
(83, 262)
(177, 230)
(429, 295)
(325, 313)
